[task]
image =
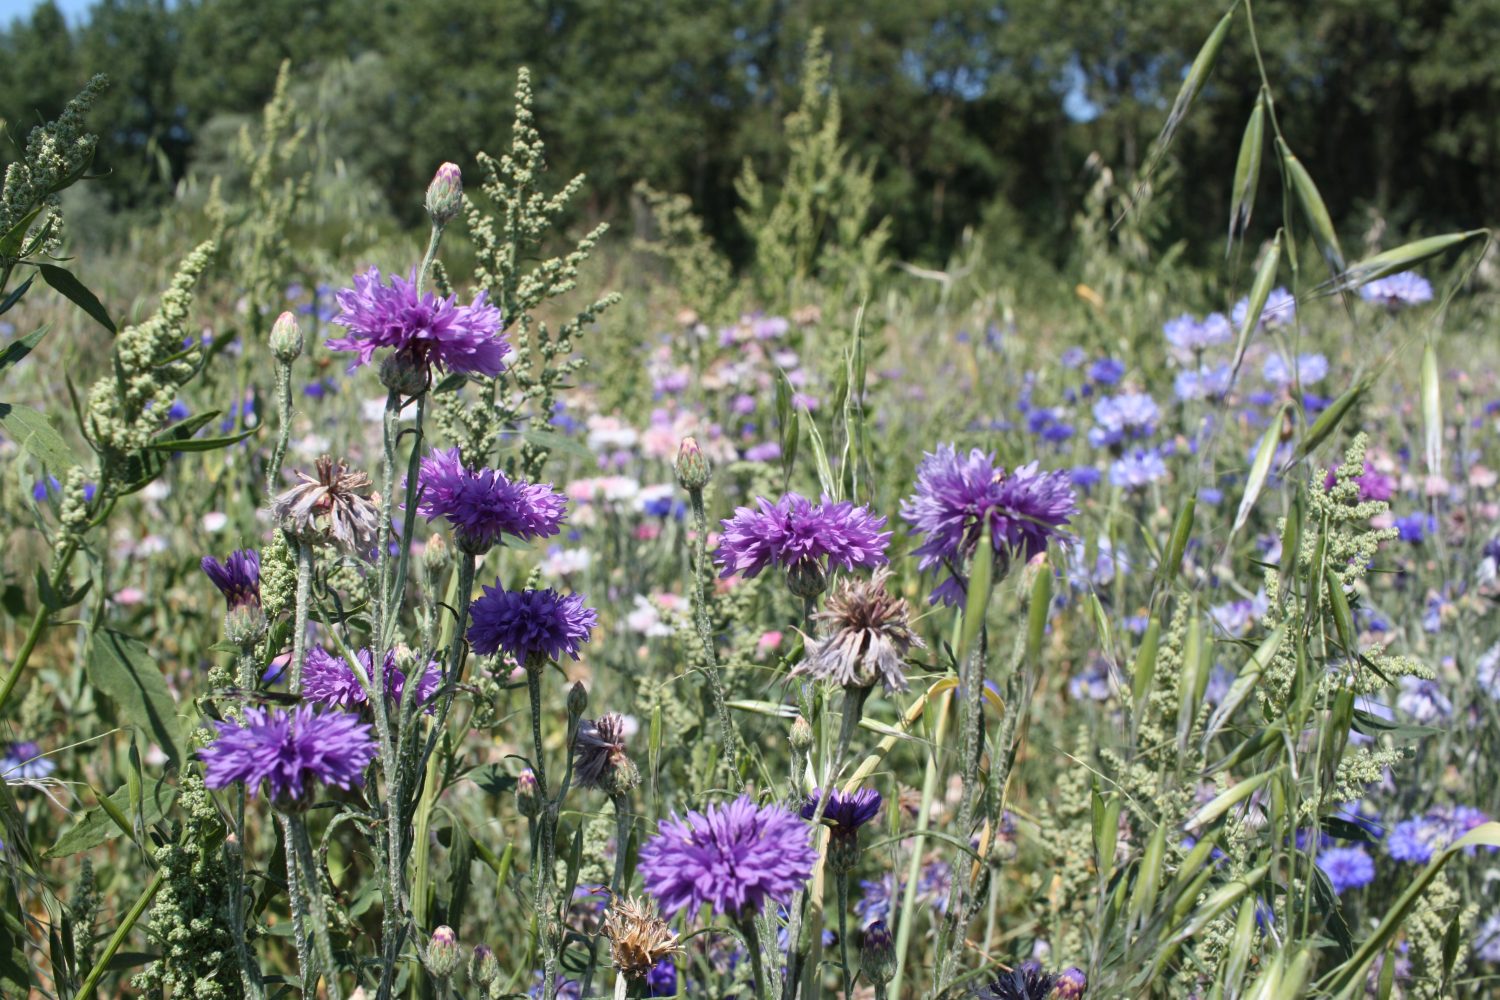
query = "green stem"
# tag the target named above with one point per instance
(284, 431)
(86, 991)
(706, 633)
(623, 821)
(299, 620)
(298, 906)
(38, 625)
(844, 933)
(313, 896)
(757, 962)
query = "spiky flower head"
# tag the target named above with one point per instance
(484, 967)
(794, 533)
(442, 952)
(1027, 981)
(1397, 290)
(528, 793)
(958, 496)
(237, 578)
(482, 504)
(425, 329)
(638, 937)
(330, 680)
(288, 752)
(530, 625)
(877, 953)
(846, 812)
(445, 195)
(866, 635)
(1071, 984)
(331, 505)
(598, 749)
(730, 857)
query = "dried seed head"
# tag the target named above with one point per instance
(331, 506)
(638, 936)
(866, 636)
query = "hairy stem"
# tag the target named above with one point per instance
(299, 620)
(317, 912)
(706, 633)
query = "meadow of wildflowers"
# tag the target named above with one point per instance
(821, 631)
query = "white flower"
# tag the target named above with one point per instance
(214, 521)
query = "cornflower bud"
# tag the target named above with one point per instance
(445, 195)
(578, 700)
(801, 736)
(877, 954)
(528, 797)
(693, 469)
(442, 952)
(484, 967)
(286, 338)
(1071, 984)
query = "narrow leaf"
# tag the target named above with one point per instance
(67, 283)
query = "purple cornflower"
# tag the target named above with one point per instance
(1106, 371)
(1347, 868)
(1137, 469)
(846, 812)
(288, 751)
(24, 761)
(598, 749)
(1311, 369)
(1280, 310)
(1414, 528)
(1487, 940)
(1189, 335)
(1397, 290)
(529, 624)
(1205, 383)
(329, 680)
(877, 899)
(1132, 414)
(1027, 981)
(1373, 485)
(731, 857)
(934, 885)
(238, 577)
(482, 504)
(1418, 839)
(794, 532)
(426, 329)
(957, 497)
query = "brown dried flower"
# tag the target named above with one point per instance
(330, 506)
(866, 636)
(638, 936)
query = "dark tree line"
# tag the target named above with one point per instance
(962, 105)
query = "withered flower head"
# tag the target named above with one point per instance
(638, 936)
(330, 506)
(599, 748)
(866, 636)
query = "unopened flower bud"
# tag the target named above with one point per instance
(286, 338)
(877, 954)
(484, 967)
(244, 624)
(445, 195)
(693, 470)
(843, 850)
(801, 736)
(442, 952)
(436, 554)
(621, 779)
(528, 796)
(402, 373)
(806, 579)
(578, 700)
(1071, 984)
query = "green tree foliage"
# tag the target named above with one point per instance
(956, 106)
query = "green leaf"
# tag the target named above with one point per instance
(121, 668)
(15, 971)
(10, 243)
(65, 282)
(22, 346)
(15, 296)
(37, 436)
(202, 444)
(96, 827)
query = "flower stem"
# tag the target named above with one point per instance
(294, 892)
(757, 962)
(623, 821)
(284, 430)
(299, 621)
(706, 633)
(313, 896)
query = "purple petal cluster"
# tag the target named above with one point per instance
(731, 857)
(795, 531)
(1347, 868)
(956, 496)
(238, 577)
(1280, 310)
(289, 752)
(24, 761)
(1189, 335)
(483, 504)
(329, 680)
(1373, 484)
(529, 624)
(1397, 290)
(1418, 839)
(425, 328)
(1137, 469)
(1131, 414)
(847, 812)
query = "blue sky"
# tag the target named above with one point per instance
(73, 10)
